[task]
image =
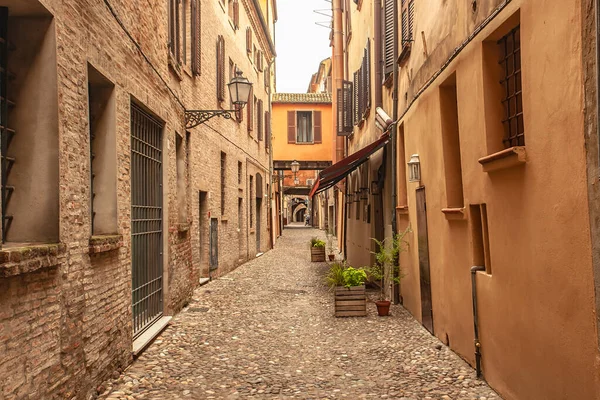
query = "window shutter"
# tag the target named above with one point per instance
(355, 102)
(345, 115)
(340, 112)
(317, 135)
(196, 53)
(291, 122)
(405, 39)
(236, 14)
(411, 18)
(259, 119)
(221, 68)
(368, 74)
(389, 38)
(250, 107)
(267, 130)
(248, 40)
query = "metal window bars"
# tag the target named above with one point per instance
(6, 134)
(512, 101)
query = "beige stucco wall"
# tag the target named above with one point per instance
(536, 309)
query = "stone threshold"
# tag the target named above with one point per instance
(140, 344)
(204, 281)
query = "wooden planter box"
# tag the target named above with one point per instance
(350, 302)
(317, 254)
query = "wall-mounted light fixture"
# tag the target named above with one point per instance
(414, 169)
(239, 91)
(295, 168)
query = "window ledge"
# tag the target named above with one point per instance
(104, 243)
(454, 213)
(224, 218)
(507, 158)
(404, 53)
(30, 258)
(252, 231)
(402, 210)
(183, 227)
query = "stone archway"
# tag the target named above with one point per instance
(299, 212)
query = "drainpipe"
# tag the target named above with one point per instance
(474, 271)
(378, 60)
(393, 135)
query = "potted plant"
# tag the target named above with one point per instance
(348, 284)
(317, 250)
(386, 269)
(330, 250)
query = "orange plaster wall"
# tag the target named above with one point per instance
(536, 309)
(282, 150)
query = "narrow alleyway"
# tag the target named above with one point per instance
(267, 330)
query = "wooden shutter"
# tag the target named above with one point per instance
(236, 14)
(250, 107)
(389, 37)
(340, 112)
(196, 53)
(291, 122)
(411, 18)
(259, 119)
(355, 96)
(248, 40)
(221, 68)
(267, 130)
(367, 67)
(317, 135)
(345, 110)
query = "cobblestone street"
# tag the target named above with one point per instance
(267, 330)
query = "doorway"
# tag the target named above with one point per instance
(202, 227)
(258, 223)
(424, 271)
(214, 243)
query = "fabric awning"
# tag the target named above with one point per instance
(338, 171)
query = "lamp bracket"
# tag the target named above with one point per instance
(194, 118)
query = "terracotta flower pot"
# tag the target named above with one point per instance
(383, 307)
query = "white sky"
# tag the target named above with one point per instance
(300, 43)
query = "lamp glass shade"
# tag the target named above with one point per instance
(239, 89)
(295, 166)
(414, 169)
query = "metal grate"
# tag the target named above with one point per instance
(223, 176)
(146, 219)
(512, 101)
(6, 134)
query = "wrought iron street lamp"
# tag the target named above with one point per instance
(414, 169)
(239, 91)
(295, 168)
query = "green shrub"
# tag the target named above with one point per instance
(315, 242)
(354, 276)
(335, 276)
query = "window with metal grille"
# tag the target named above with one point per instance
(220, 68)
(304, 132)
(251, 200)
(512, 101)
(223, 182)
(195, 25)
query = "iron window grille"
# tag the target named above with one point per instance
(512, 101)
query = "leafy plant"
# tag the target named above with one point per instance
(386, 269)
(335, 276)
(315, 242)
(354, 276)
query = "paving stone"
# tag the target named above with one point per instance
(267, 330)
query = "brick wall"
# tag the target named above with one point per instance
(66, 328)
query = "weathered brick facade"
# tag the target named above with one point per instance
(66, 310)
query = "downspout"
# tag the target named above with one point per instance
(393, 135)
(378, 60)
(474, 271)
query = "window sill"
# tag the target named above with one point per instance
(175, 67)
(224, 218)
(104, 243)
(404, 53)
(508, 158)
(304, 143)
(183, 227)
(402, 210)
(30, 258)
(252, 231)
(454, 213)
